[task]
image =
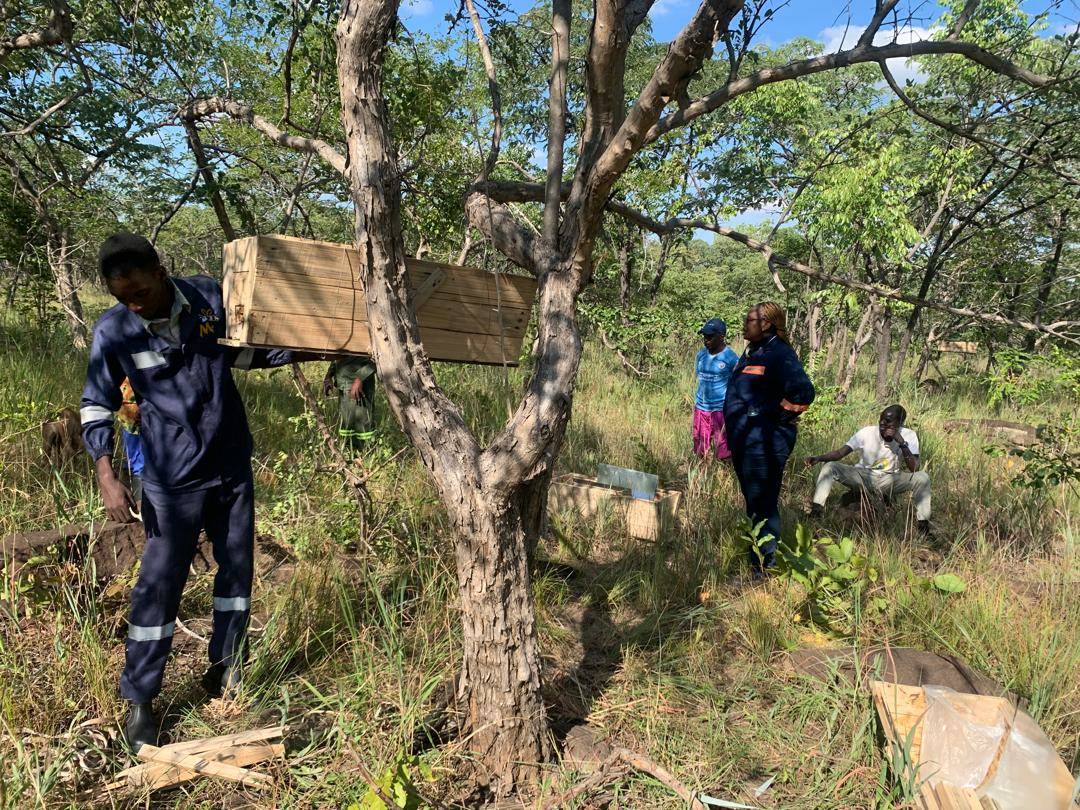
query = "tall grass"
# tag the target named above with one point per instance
(662, 645)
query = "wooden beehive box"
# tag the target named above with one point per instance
(645, 520)
(300, 294)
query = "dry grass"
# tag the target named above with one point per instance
(664, 647)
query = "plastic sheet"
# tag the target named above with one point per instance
(997, 750)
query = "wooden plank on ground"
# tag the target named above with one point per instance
(226, 740)
(943, 796)
(901, 709)
(154, 776)
(201, 764)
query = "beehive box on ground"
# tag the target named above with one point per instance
(300, 294)
(645, 520)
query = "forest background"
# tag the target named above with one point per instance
(889, 206)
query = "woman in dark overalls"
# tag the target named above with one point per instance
(768, 392)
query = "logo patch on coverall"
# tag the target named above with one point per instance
(207, 322)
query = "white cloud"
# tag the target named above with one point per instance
(838, 37)
(416, 8)
(664, 7)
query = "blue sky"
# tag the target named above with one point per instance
(810, 18)
(799, 18)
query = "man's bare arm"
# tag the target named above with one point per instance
(833, 455)
(119, 502)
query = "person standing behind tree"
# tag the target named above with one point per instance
(715, 362)
(768, 392)
(354, 380)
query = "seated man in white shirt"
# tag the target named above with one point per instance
(888, 466)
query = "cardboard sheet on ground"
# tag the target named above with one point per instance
(903, 665)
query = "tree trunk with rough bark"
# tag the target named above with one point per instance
(67, 292)
(903, 349)
(932, 267)
(499, 688)
(839, 348)
(884, 345)
(927, 352)
(626, 269)
(862, 336)
(1049, 274)
(666, 242)
(495, 496)
(814, 327)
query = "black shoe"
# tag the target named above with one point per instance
(816, 510)
(925, 531)
(221, 681)
(141, 727)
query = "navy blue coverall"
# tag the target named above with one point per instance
(197, 468)
(768, 392)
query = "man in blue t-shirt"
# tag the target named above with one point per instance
(715, 362)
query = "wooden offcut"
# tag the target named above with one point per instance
(223, 757)
(957, 346)
(300, 294)
(155, 776)
(204, 765)
(645, 520)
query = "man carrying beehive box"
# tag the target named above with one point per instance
(163, 336)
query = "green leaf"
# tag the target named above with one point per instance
(949, 583)
(844, 572)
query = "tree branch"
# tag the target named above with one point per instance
(294, 37)
(493, 90)
(962, 18)
(613, 25)
(684, 58)
(560, 56)
(30, 128)
(841, 59)
(58, 29)
(992, 148)
(883, 9)
(875, 290)
(222, 213)
(244, 114)
(175, 207)
(498, 224)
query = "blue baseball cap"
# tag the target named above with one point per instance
(713, 326)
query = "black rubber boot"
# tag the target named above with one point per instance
(141, 727)
(221, 681)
